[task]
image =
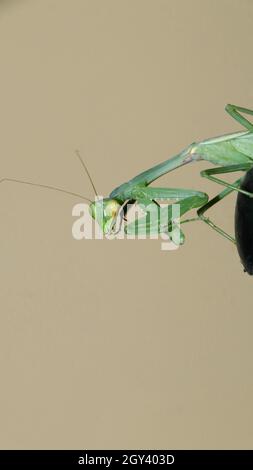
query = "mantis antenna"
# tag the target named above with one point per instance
(86, 171)
(14, 180)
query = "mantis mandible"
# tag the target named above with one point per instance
(229, 153)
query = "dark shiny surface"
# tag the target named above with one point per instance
(244, 223)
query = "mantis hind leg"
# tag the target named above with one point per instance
(235, 112)
(227, 169)
(211, 203)
(230, 187)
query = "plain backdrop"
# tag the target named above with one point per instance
(118, 344)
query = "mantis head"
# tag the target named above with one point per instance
(105, 212)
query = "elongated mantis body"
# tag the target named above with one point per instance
(229, 153)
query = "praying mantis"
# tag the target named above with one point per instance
(232, 152)
(229, 153)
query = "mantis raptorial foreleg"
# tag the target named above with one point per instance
(189, 199)
(152, 193)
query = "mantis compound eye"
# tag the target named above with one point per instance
(105, 212)
(111, 208)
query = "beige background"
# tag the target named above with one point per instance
(117, 344)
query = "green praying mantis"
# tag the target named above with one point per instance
(229, 153)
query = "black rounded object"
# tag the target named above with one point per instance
(244, 223)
